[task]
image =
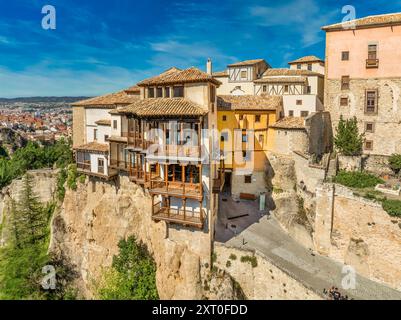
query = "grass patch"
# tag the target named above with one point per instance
(392, 207)
(250, 259)
(356, 179)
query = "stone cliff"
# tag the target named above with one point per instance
(98, 214)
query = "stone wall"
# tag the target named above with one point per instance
(319, 129)
(256, 187)
(350, 163)
(387, 122)
(286, 141)
(263, 282)
(358, 232)
(371, 163)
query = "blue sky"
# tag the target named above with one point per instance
(102, 46)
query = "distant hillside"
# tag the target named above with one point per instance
(43, 99)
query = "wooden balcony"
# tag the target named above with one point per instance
(85, 168)
(176, 189)
(119, 164)
(176, 151)
(178, 216)
(141, 177)
(372, 63)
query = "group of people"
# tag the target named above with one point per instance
(334, 294)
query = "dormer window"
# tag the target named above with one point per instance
(167, 92)
(243, 74)
(159, 92)
(151, 92)
(178, 91)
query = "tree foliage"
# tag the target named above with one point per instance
(348, 140)
(132, 275)
(395, 163)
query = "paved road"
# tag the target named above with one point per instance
(264, 234)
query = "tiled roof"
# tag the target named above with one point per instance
(103, 122)
(220, 74)
(175, 76)
(246, 63)
(133, 89)
(306, 59)
(249, 102)
(295, 123)
(163, 107)
(278, 79)
(108, 100)
(288, 72)
(94, 147)
(368, 22)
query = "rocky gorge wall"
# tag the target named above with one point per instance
(98, 214)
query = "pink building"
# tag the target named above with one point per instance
(363, 79)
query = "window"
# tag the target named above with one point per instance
(224, 118)
(299, 66)
(343, 102)
(167, 92)
(371, 101)
(345, 83)
(248, 179)
(264, 88)
(212, 94)
(151, 92)
(291, 113)
(106, 136)
(372, 51)
(368, 145)
(244, 137)
(308, 90)
(286, 88)
(309, 66)
(114, 124)
(257, 118)
(241, 117)
(95, 134)
(243, 74)
(246, 155)
(261, 140)
(100, 165)
(369, 127)
(178, 91)
(224, 136)
(159, 92)
(299, 102)
(345, 55)
(304, 113)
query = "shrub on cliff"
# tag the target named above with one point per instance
(132, 275)
(392, 207)
(395, 163)
(348, 141)
(357, 179)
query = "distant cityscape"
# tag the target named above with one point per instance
(41, 119)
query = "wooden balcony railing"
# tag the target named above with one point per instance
(171, 150)
(85, 166)
(119, 164)
(372, 63)
(176, 188)
(178, 216)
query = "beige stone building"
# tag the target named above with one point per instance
(363, 79)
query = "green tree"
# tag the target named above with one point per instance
(348, 141)
(132, 275)
(395, 163)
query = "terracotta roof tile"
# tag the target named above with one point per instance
(94, 147)
(246, 63)
(278, 79)
(368, 22)
(163, 107)
(295, 123)
(108, 100)
(249, 102)
(220, 74)
(103, 122)
(288, 72)
(306, 59)
(175, 76)
(134, 89)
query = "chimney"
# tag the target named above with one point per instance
(209, 69)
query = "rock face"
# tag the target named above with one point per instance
(96, 216)
(45, 185)
(11, 140)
